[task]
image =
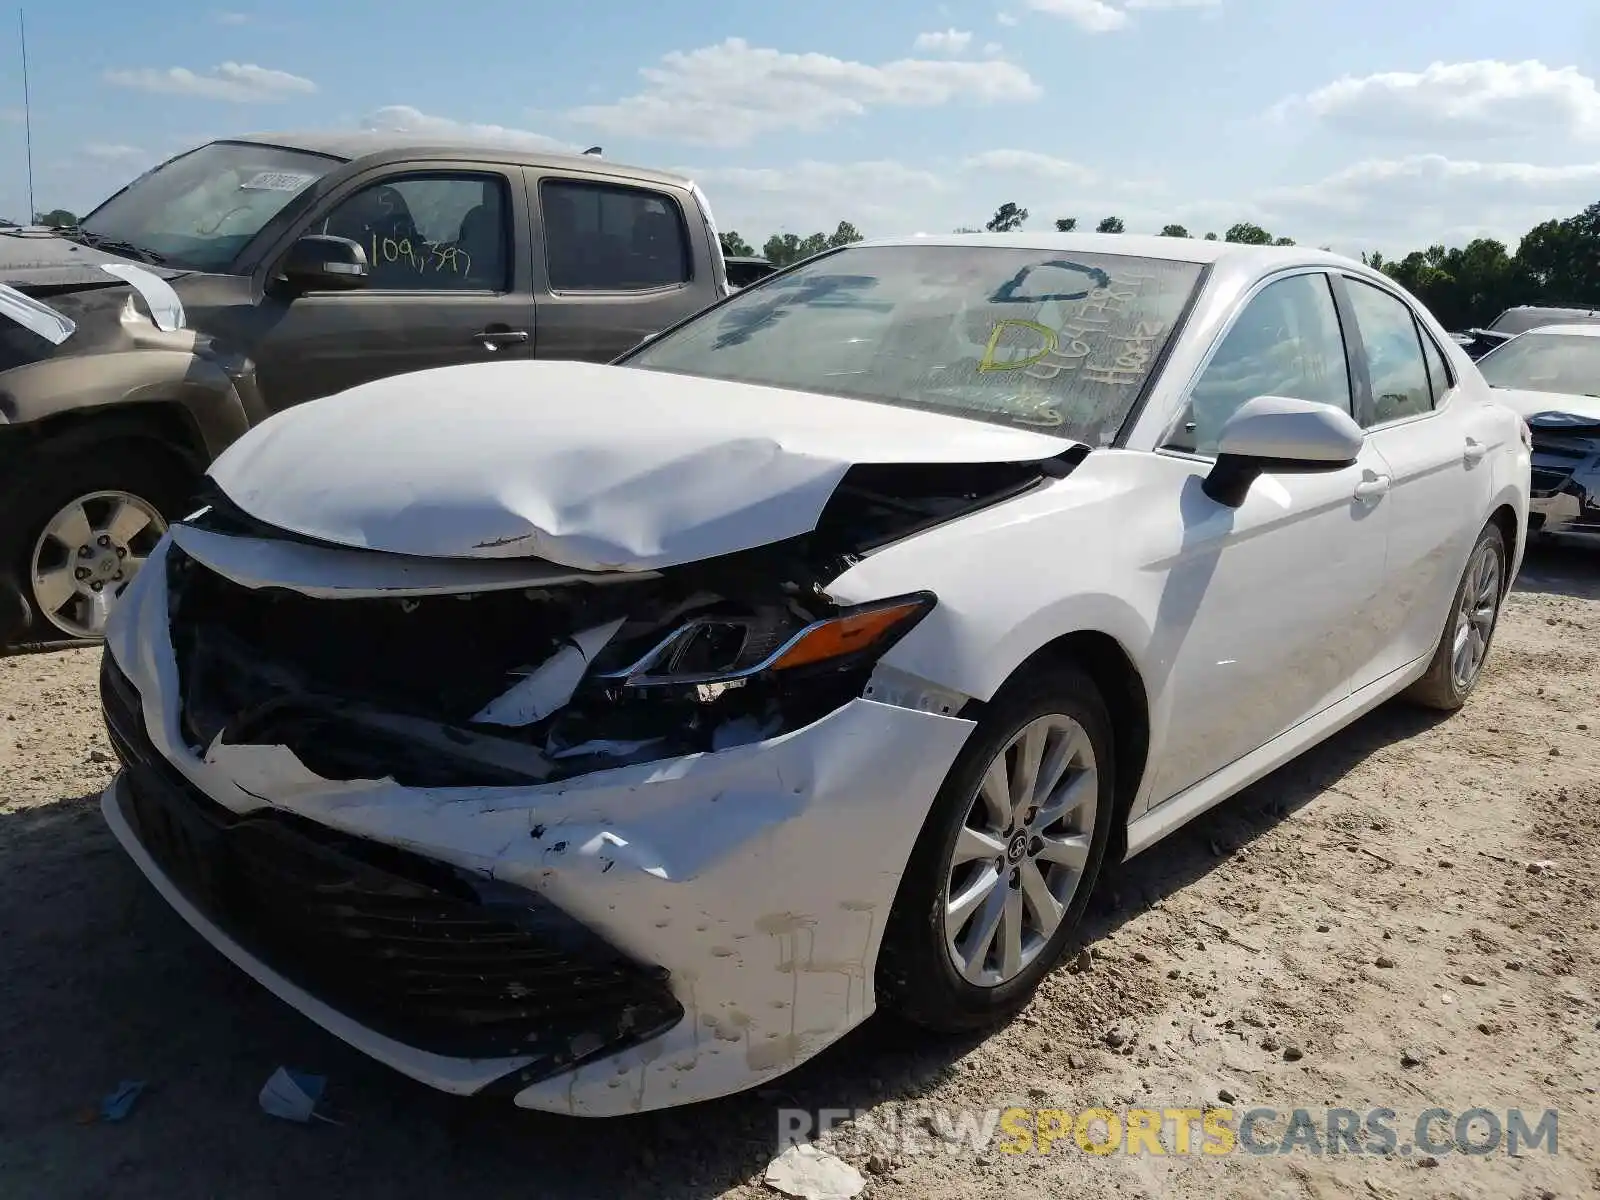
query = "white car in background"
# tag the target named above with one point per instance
(630, 736)
(1551, 377)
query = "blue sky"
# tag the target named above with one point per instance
(1365, 124)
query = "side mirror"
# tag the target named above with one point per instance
(1277, 433)
(319, 262)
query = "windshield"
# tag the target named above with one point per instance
(1057, 342)
(1568, 363)
(200, 209)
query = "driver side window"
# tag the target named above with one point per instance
(429, 232)
(1286, 342)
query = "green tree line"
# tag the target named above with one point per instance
(781, 249)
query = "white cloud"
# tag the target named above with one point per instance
(947, 41)
(731, 93)
(883, 198)
(113, 152)
(231, 18)
(1421, 199)
(1092, 16)
(238, 83)
(402, 118)
(1391, 204)
(886, 198)
(11, 116)
(1029, 163)
(1005, 18)
(1486, 99)
(1104, 16)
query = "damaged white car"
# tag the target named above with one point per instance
(613, 737)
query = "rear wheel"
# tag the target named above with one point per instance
(1469, 629)
(80, 525)
(1003, 868)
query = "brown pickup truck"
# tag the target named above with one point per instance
(258, 272)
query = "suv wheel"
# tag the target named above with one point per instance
(81, 525)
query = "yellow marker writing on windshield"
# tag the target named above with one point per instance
(988, 362)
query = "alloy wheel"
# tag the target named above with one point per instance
(89, 551)
(1021, 852)
(1475, 616)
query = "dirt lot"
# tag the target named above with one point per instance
(1413, 892)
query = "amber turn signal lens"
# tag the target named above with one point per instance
(848, 634)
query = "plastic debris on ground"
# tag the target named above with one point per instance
(293, 1096)
(120, 1102)
(808, 1173)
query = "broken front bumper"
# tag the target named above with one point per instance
(724, 909)
(1566, 483)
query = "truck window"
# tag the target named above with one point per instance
(600, 238)
(430, 232)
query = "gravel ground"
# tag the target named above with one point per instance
(1405, 918)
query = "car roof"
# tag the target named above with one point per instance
(354, 144)
(1592, 330)
(1176, 249)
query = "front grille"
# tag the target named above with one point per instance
(404, 944)
(1547, 481)
(427, 655)
(241, 651)
(1558, 456)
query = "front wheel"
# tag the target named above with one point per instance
(80, 527)
(1002, 871)
(1469, 629)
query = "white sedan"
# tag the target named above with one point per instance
(1551, 377)
(613, 737)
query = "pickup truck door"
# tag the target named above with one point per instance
(448, 247)
(614, 262)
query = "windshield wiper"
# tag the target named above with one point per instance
(100, 242)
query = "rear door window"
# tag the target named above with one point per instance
(603, 238)
(1439, 378)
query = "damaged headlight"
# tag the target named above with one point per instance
(721, 678)
(712, 654)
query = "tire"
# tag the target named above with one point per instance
(98, 473)
(1443, 687)
(917, 976)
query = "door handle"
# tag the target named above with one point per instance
(493, 339)
(1474, 452)
(1370, 491)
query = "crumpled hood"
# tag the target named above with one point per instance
(36, 258)
(592, 467)
(1528, 404)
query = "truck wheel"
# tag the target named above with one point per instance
(80, 524)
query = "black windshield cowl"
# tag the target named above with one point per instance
(113, 246)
